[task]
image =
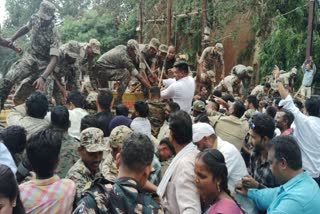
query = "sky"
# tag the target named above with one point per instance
(2, 11)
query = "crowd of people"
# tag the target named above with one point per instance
(193, 145)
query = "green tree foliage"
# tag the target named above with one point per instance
(279, 25)
(93, 25)
(286, 43)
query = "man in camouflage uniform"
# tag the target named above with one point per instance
(75, 58)
(83, 55)
(87, 168)
(161, 57)
(281, 75)
(244, 73)
(68, 152)
(119, 64)
(125, 195)
(39, 61)
(149, 53)
(211, 59)
(230, 84)
(156, 110)
(148, 61)
(262, 92)
(109, 167)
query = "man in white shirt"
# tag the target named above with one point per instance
(177, 189)
(181, 90)
(307, 130)
(75, 103)
(204, 137)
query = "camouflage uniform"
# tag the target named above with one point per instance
(124, 196)
(210, 59)
(92, 140)
(109, 167)
(82, 64)
(116, 65)
(68, 155)
(228, 84)
(73, 61)
(163, 49)
(248, 114)
(150, 60)
(91, 99)
(156, 116)
(44, 44)
(259, 92)
(244, 73)
(81, 176)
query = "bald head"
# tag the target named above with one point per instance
(171, 52)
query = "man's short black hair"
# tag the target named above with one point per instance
(286, 147)
(253, 100)
(312, 105)
(37, 105)
(267, 85)
(277, 101)
(238, 109)
(60, 117)
(202, 118)
(89, 121)
(43, 150)
(217, 93)
(167, 142)
(173, 106)
(288, 116)
(263, 125)
(155, 91)
(142, 108)
(271, 111)
(137, 152)
(77, 98)
(105, 98)
(122, 110)
(228, 97)
(182, 66)
(15, 139)
(180, 125)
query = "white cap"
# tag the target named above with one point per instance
(201, 130)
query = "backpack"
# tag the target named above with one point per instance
(103, 200)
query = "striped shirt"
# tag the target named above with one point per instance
(52, 195)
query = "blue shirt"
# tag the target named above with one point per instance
(308, 75)
(299, 195)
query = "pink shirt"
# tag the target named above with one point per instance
(224, 206)
(52, 195)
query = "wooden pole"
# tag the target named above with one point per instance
(204, 21)
(169, 19)
(310, 29)
(140, 20)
